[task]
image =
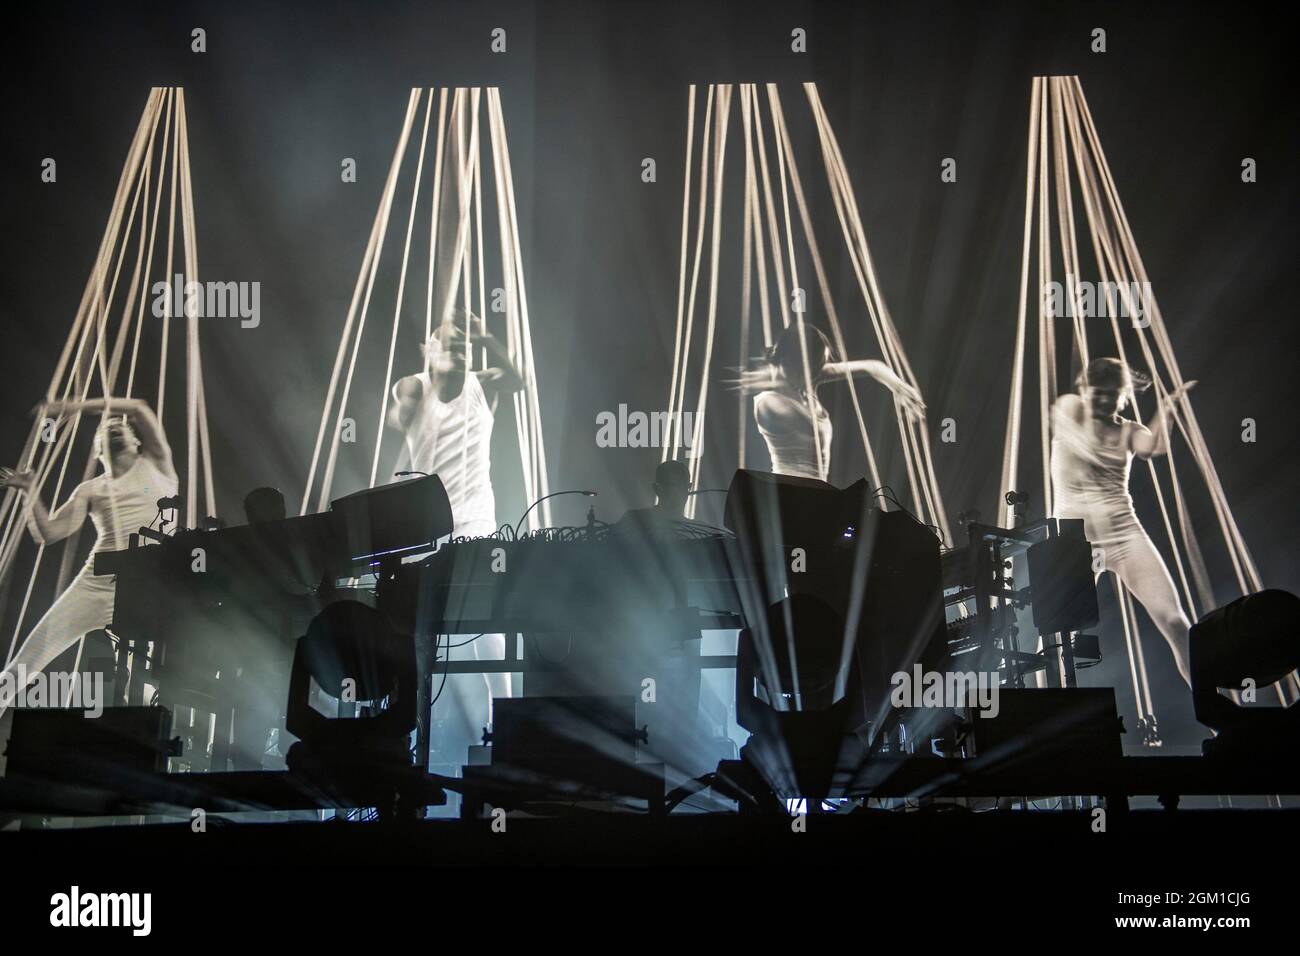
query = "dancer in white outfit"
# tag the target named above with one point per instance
(446, 416)
(1092, 450)
(781, 405)
(138, 471)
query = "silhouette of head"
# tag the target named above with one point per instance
(787, 352)
(1108, 385)
(672, 486)
(264, 504)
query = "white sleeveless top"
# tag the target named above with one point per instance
(453, 440)
(794, 451)
(121, 505)
(1088, 477)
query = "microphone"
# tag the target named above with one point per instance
(170, 504)
(553, 494)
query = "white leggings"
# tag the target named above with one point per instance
(86, 605)
(1141, 569)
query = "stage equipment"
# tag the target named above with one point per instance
(353, 656)
(587, 612)
(460, 273)
(61, 762)
(223, 638)
(97, 360)
(549, 752)
(1012, 586)
(1063, 591)
(546, 734)
(384, 522)
(770, 513)
(1034, 726)
(554, 494)
(796, 708)
(768, 230)
(879, 570)
(111, 750)
(1062, 134)
(1253, 639)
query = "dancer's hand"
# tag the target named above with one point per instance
(477, 329)
(910, 398)
(453, 339)
(22, 480)
(1180, 391)
(752, 380)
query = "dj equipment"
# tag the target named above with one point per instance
(585, 617)
(1015, 584)
(490, 585)
(224, 608)
(596, 613)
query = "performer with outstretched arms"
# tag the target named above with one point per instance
(783, 400)
(1093, 447)
(138, 470)
(446, 414)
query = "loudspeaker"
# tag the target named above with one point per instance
(1062, 585)
(65, 744)
(774, 512)
(394, 517)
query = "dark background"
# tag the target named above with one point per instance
(284, 92)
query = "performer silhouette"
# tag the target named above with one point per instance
(138, 470)
(1093, 447)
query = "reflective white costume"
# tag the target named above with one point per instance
(453, 440)
(118, 506)
(1090, 481)
(794, 450)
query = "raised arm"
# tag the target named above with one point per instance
(882, 373)
(1154, 441)
(501, 373)
(46, 528)
(147, 427)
